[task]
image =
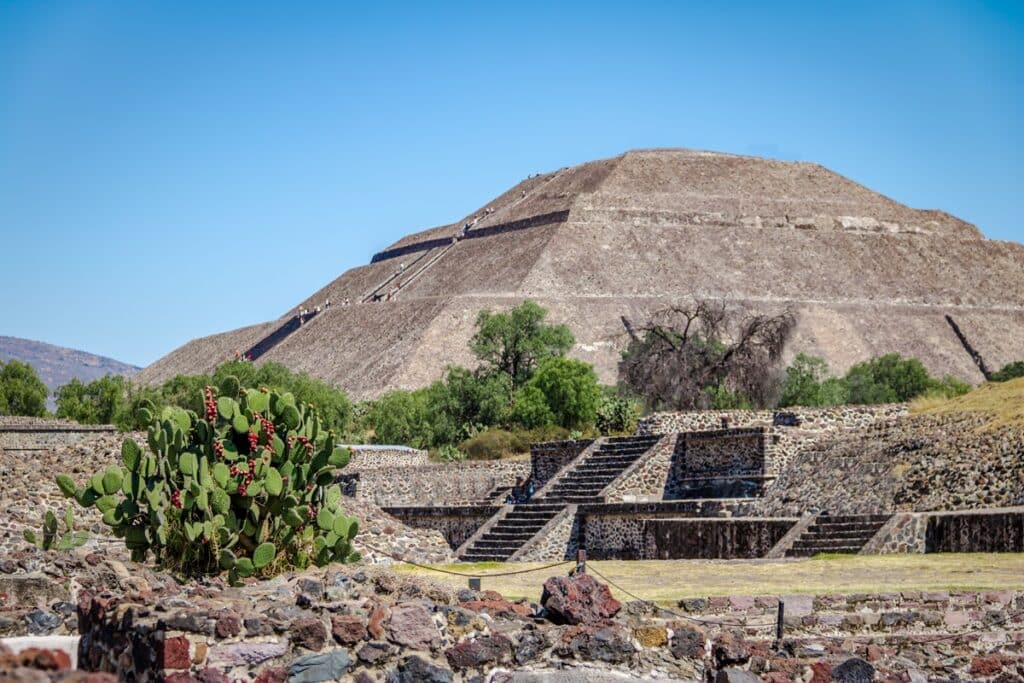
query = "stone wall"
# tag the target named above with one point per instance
(44, 434)
(547, 458)
(618, 531)
(645, 480)
(462, 483)
(558, 540)
(456, 524)
(991, 531)
(366, 457)
(709, 539)
(817, 419)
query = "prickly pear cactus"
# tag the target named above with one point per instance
(247, 487)
(52, 538)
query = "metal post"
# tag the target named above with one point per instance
(581, 561)
(779, 621)
(474, 583)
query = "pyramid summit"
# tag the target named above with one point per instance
(624, 237)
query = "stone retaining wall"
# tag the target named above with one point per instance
(708, 539)
(841, 417)
(366, 457)
(456, 524)
(15, 437)
(547, 458)
(463, 483)
(998, 530)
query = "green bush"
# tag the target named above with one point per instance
(494, 444)
(1009, 371)
(21, 390)
(571, 391)
(448, 453)
(248, 487)
(617, 414)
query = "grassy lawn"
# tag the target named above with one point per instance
(666, 581)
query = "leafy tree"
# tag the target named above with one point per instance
(887, 379)
(1009, 371)
(570, 390)
(466, 402)
(680, 361)
(803, 383)
(531, 408)
(402, 417)
(97, 402)
(516, 342)
(21, 390)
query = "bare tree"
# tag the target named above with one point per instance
(693, 357)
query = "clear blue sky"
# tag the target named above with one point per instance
(170, 170)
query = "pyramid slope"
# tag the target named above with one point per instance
(626, 236)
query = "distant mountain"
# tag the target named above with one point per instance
(57, 365)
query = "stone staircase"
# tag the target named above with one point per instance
(837, 534)
(511, 532)
(584, 483)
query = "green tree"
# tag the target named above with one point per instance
(516, 342)
(887, 379)
(402, 417)
(21, 390)
(97, 402)
(530, 409)
(465, 403)
(570, 389)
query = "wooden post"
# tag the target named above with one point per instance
(581, 561)
(474, 583)
(779, 621)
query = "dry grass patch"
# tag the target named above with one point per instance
(666, 581)
(1003, 401)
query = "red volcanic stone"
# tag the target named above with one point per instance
(472, 654)
(986, 666)
(272, 674)
(498, 608)
(174, 653)
(348, 629)
(578, 599)
(308, 632)
(228, 625)
(375, 622)
(180, 677)
(821, 672)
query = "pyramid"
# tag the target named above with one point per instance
(624, 237)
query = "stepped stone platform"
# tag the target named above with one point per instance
(630, 235)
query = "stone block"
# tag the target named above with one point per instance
(174, 653)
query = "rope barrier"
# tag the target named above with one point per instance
(933, 639)
(712, 622)
(464, 574)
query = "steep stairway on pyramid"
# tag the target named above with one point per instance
(585, 481)
(837, 534)
(511, 532)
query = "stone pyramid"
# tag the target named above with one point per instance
(626, 236)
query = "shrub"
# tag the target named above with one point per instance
(887, 379)
(617, 414)
(494, 444)
(248, 487)
(1009, 371)
(449, 453)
